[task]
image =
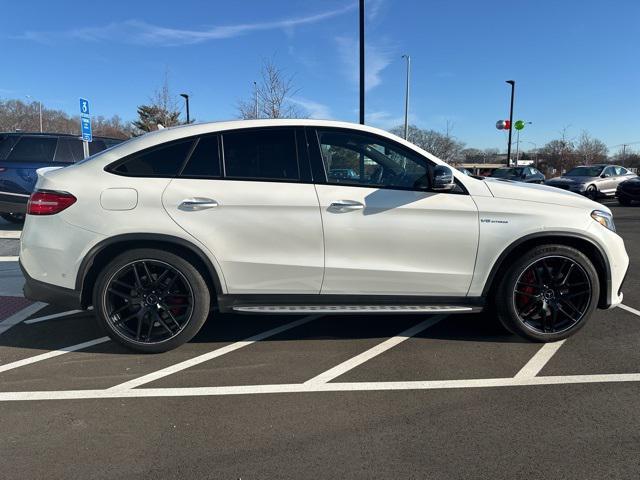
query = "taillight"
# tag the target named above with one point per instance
(43, 202)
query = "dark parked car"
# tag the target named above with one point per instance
(629, 191)
(21, 154)
(593, 181)
(519, 174)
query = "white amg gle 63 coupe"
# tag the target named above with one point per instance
(299, 216)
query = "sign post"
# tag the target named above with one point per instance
(85, 126)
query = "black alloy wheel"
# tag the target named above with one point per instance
(148, 301)
(591, 192)
(151, 300)
(552, 294)
(548, 293)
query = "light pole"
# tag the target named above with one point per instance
(186, 99)
(406, 98)
(513, 91)
(361, 22)
(39, 109)
(255, 93)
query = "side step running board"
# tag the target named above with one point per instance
(298, 309)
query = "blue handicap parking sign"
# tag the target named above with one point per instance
(85, 123)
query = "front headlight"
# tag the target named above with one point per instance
(603, 218)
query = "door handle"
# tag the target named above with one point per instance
(197, 203)
(346, 205)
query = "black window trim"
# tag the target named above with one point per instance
(323, 177)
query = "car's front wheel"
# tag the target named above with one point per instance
(548, 293)
(591, 192)
(151, 300)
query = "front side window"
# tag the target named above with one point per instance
(268, 154)
(69, 150)
(161, 161)
(609, 172)
(356, 159)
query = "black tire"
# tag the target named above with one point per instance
(536, 301)
(123, 300)
(624, 201)
(17, 218)
(591, 192)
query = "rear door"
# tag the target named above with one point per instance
(385, 232)
(247, 195)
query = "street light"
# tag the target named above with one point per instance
(513, 91)
(186, 99)
(39, 109)
(255, 93)
(406, 98)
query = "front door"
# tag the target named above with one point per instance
(251, 208)
(385, 232)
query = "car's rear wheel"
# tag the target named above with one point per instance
(151, 300)
(17, 218)
(548, 294)
(591, 192)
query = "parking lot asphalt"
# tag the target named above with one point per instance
(322, 396)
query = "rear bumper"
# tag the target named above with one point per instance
(48, 293)
(13, 202)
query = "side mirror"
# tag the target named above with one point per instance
(443, 180)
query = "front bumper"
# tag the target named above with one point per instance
(48, 293)
(13, 202)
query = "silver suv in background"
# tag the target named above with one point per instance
(593, 181)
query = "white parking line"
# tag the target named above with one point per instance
(319, 387)
(18, 317)
(352, 363)
(136, 382)
(54, 315)
(8, 259)
(539, 360)
(629, 309)
(10, 234)
(54, 353)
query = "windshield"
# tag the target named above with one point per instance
(506, 172)
(584, 172)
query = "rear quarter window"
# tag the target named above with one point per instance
(33, 150)
(160, 161)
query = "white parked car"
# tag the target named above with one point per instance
(244, 216)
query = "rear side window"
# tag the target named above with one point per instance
(33, 149)
(69, 150)
(268, 154)
(204, 162)
(7, 142)
(162, 161)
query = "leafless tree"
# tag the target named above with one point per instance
(590, 150)
(273, 94)
(162, 109)
(443, 146)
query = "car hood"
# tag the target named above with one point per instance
(540, 193)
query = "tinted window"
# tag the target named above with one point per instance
(7, 142)
(33, 149)
(357, 159)
(267, 154)
(584, 172)
(69, 150)
(205, 159)
(96, 146)
(163, 161)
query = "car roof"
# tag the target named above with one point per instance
(164, 135)
(51, 134)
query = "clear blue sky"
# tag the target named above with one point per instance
(575, 61)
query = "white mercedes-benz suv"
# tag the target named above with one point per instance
(299, 216)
